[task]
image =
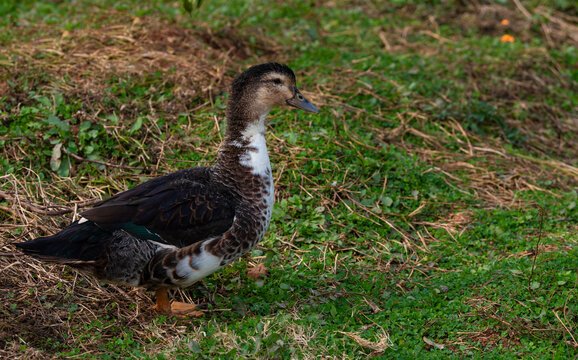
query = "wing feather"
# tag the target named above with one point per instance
(178, 209)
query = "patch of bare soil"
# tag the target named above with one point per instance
(194, 62)
(229, 41)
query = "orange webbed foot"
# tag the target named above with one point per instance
(175, 308)
(183, 309)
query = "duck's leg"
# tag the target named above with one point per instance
(163, 304)
(176, 308)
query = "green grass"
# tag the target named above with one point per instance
(411, 207)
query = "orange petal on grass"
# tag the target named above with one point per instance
(505, 22)
(507, 38)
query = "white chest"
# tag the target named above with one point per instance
(255, 154)
(256, 158)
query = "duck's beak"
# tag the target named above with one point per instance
(300, 102)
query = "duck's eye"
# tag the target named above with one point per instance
(277, 81)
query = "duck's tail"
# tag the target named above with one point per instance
(113, 256)
(79, 243)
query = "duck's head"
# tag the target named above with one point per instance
(262, 87)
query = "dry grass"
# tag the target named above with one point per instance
(199, 64)
(379, 346)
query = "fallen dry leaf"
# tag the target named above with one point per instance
(259, 271)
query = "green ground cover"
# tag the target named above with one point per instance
(428, 211)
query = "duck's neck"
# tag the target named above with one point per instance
(246, 146)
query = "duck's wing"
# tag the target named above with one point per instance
(178, 209)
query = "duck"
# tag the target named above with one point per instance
(174, 230)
